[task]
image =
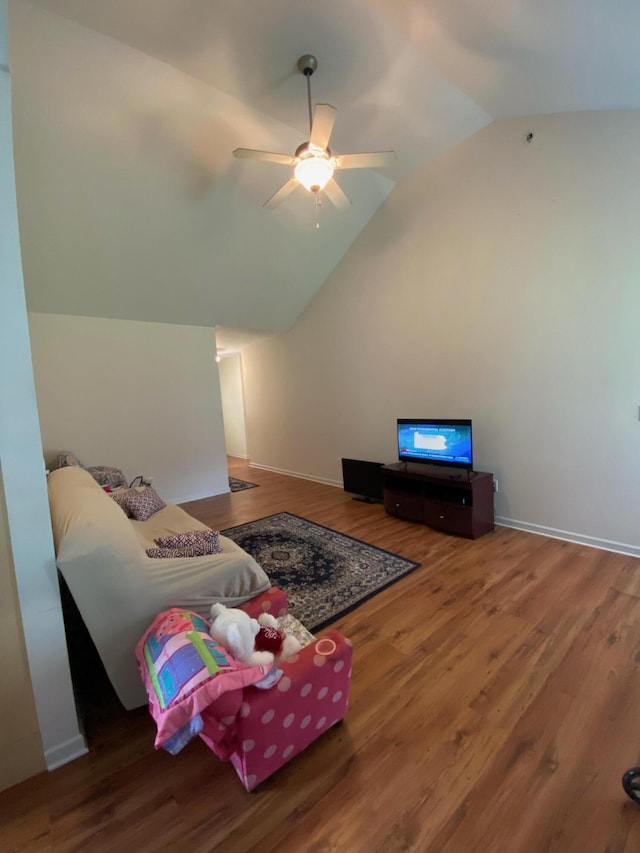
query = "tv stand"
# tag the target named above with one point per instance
(434, 496)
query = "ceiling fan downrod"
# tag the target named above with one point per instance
(307, 64)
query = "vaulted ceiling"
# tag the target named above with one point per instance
(176, 85)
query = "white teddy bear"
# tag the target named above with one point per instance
(236, 631)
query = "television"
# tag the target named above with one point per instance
(363, 479)
(436, 442)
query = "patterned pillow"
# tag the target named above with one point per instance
(106, 476)
(144, 503)
(121, 498)
(65, 459)
(198, 549)
(139, 504)
(188, 540)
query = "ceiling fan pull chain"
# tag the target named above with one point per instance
(317, 195)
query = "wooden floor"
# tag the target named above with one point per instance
(495, 705)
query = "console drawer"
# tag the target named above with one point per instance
(408, 506)
(447, 516)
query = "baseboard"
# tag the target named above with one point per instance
(185, 499)
(539, 529)
(65, 752)
(297, 474)
(569, 536)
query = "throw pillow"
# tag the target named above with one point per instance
(121, 498)
(65, 459)
(107, 476)
(188, 540)
(139, 504)
(145, 503)
(198, 549)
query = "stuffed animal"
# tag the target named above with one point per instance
(271, 638)
(236, 631)
(253, 641)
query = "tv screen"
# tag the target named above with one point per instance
(437, 442)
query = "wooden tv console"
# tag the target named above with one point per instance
(455, 501)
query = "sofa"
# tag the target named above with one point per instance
(118, 589)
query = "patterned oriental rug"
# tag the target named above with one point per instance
(325, 574)
(239, 485)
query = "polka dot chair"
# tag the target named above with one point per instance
(267, 728)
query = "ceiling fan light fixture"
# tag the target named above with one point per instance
(314, 172)
(313, 164)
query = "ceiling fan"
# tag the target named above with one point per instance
(313, 163)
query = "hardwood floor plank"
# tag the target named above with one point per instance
(495, 704)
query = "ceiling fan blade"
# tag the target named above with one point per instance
(281, 194)
(269, 156)
(324, 116)
(336, 195)
(365, 161)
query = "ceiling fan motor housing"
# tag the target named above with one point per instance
(305, 150)
(307, 64)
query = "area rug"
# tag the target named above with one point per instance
(239, 485)
(325, 574)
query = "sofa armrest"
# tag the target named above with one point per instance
(273, 601)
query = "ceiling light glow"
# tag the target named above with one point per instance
(314, 172)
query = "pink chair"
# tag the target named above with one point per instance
(259, 731)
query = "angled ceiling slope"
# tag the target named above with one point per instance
(126, 115)
(529, 57)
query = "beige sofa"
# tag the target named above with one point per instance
(118, 589)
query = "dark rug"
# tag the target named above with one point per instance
(324, 573)
(239, 485)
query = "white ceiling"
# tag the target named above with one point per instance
(388, 93)
(416, 76)
(512, 57)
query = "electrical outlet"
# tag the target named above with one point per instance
(496, 485)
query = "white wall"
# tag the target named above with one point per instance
(143, 397)
(31, 626)
(501, 284)
(232, 392)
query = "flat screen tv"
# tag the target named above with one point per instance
(436, 442)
